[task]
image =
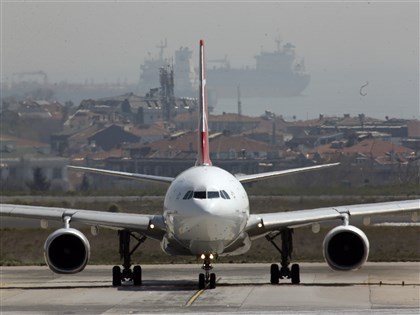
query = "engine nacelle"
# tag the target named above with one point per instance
(67, 250)
(346, 247)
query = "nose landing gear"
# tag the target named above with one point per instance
(207, 278)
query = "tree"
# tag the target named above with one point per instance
(40, 182)
(114, 208)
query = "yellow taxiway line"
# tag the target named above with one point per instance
(194, 297)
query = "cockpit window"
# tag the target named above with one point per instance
(224, 194)
(200, 195)
(213, 194)
(188, 195)
(206, 194)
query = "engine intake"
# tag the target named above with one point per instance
(346, 248)
(67, 251)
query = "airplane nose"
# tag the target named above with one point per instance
(208, 206)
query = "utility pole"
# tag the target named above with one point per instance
(239, 101)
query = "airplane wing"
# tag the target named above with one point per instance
(266, 175)
(150, 225)
(153, 178)
(261, 224)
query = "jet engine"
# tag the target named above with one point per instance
(346, 248)
(67, 250)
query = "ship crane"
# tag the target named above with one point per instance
(162, 46)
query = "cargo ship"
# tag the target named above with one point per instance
(275, 74)
(278, 73)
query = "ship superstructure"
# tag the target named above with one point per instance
(276, 73)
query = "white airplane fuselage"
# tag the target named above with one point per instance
(205, 209)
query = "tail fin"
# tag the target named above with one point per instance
(203, 157)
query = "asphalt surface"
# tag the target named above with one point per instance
(377, 288)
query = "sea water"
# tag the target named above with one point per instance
(377, 96)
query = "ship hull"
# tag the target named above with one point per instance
(256, 83)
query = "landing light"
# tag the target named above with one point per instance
(152, 226)
(203, 256)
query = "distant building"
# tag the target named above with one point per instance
(232, 123)
(223, 147)
(98, 137)
(32, 119)
(414, 128)
(111, 137)
(20, 157)
(174, 154)
(143, 110)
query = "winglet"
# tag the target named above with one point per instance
(203, 156)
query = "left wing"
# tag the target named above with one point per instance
(135, 176)
(266, 175)
(150, 225)
(261, 224)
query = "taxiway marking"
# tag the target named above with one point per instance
(194, 297)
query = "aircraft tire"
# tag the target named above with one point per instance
(116, 276)
(201, 281)
(275, 273)
(137, 275)
(212, 281)
(295, 274)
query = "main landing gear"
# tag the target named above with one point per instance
(284, 272)
(125, 253)
(207, 278)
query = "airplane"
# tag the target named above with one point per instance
(206, 214)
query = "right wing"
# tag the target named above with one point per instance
(266, 175)
(150, 225)
(261, 224)
(153, 178)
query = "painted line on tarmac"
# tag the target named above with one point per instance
(197, 294)
(194, 297)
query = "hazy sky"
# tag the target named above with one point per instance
(106, 41)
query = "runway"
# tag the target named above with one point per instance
(377, 288)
